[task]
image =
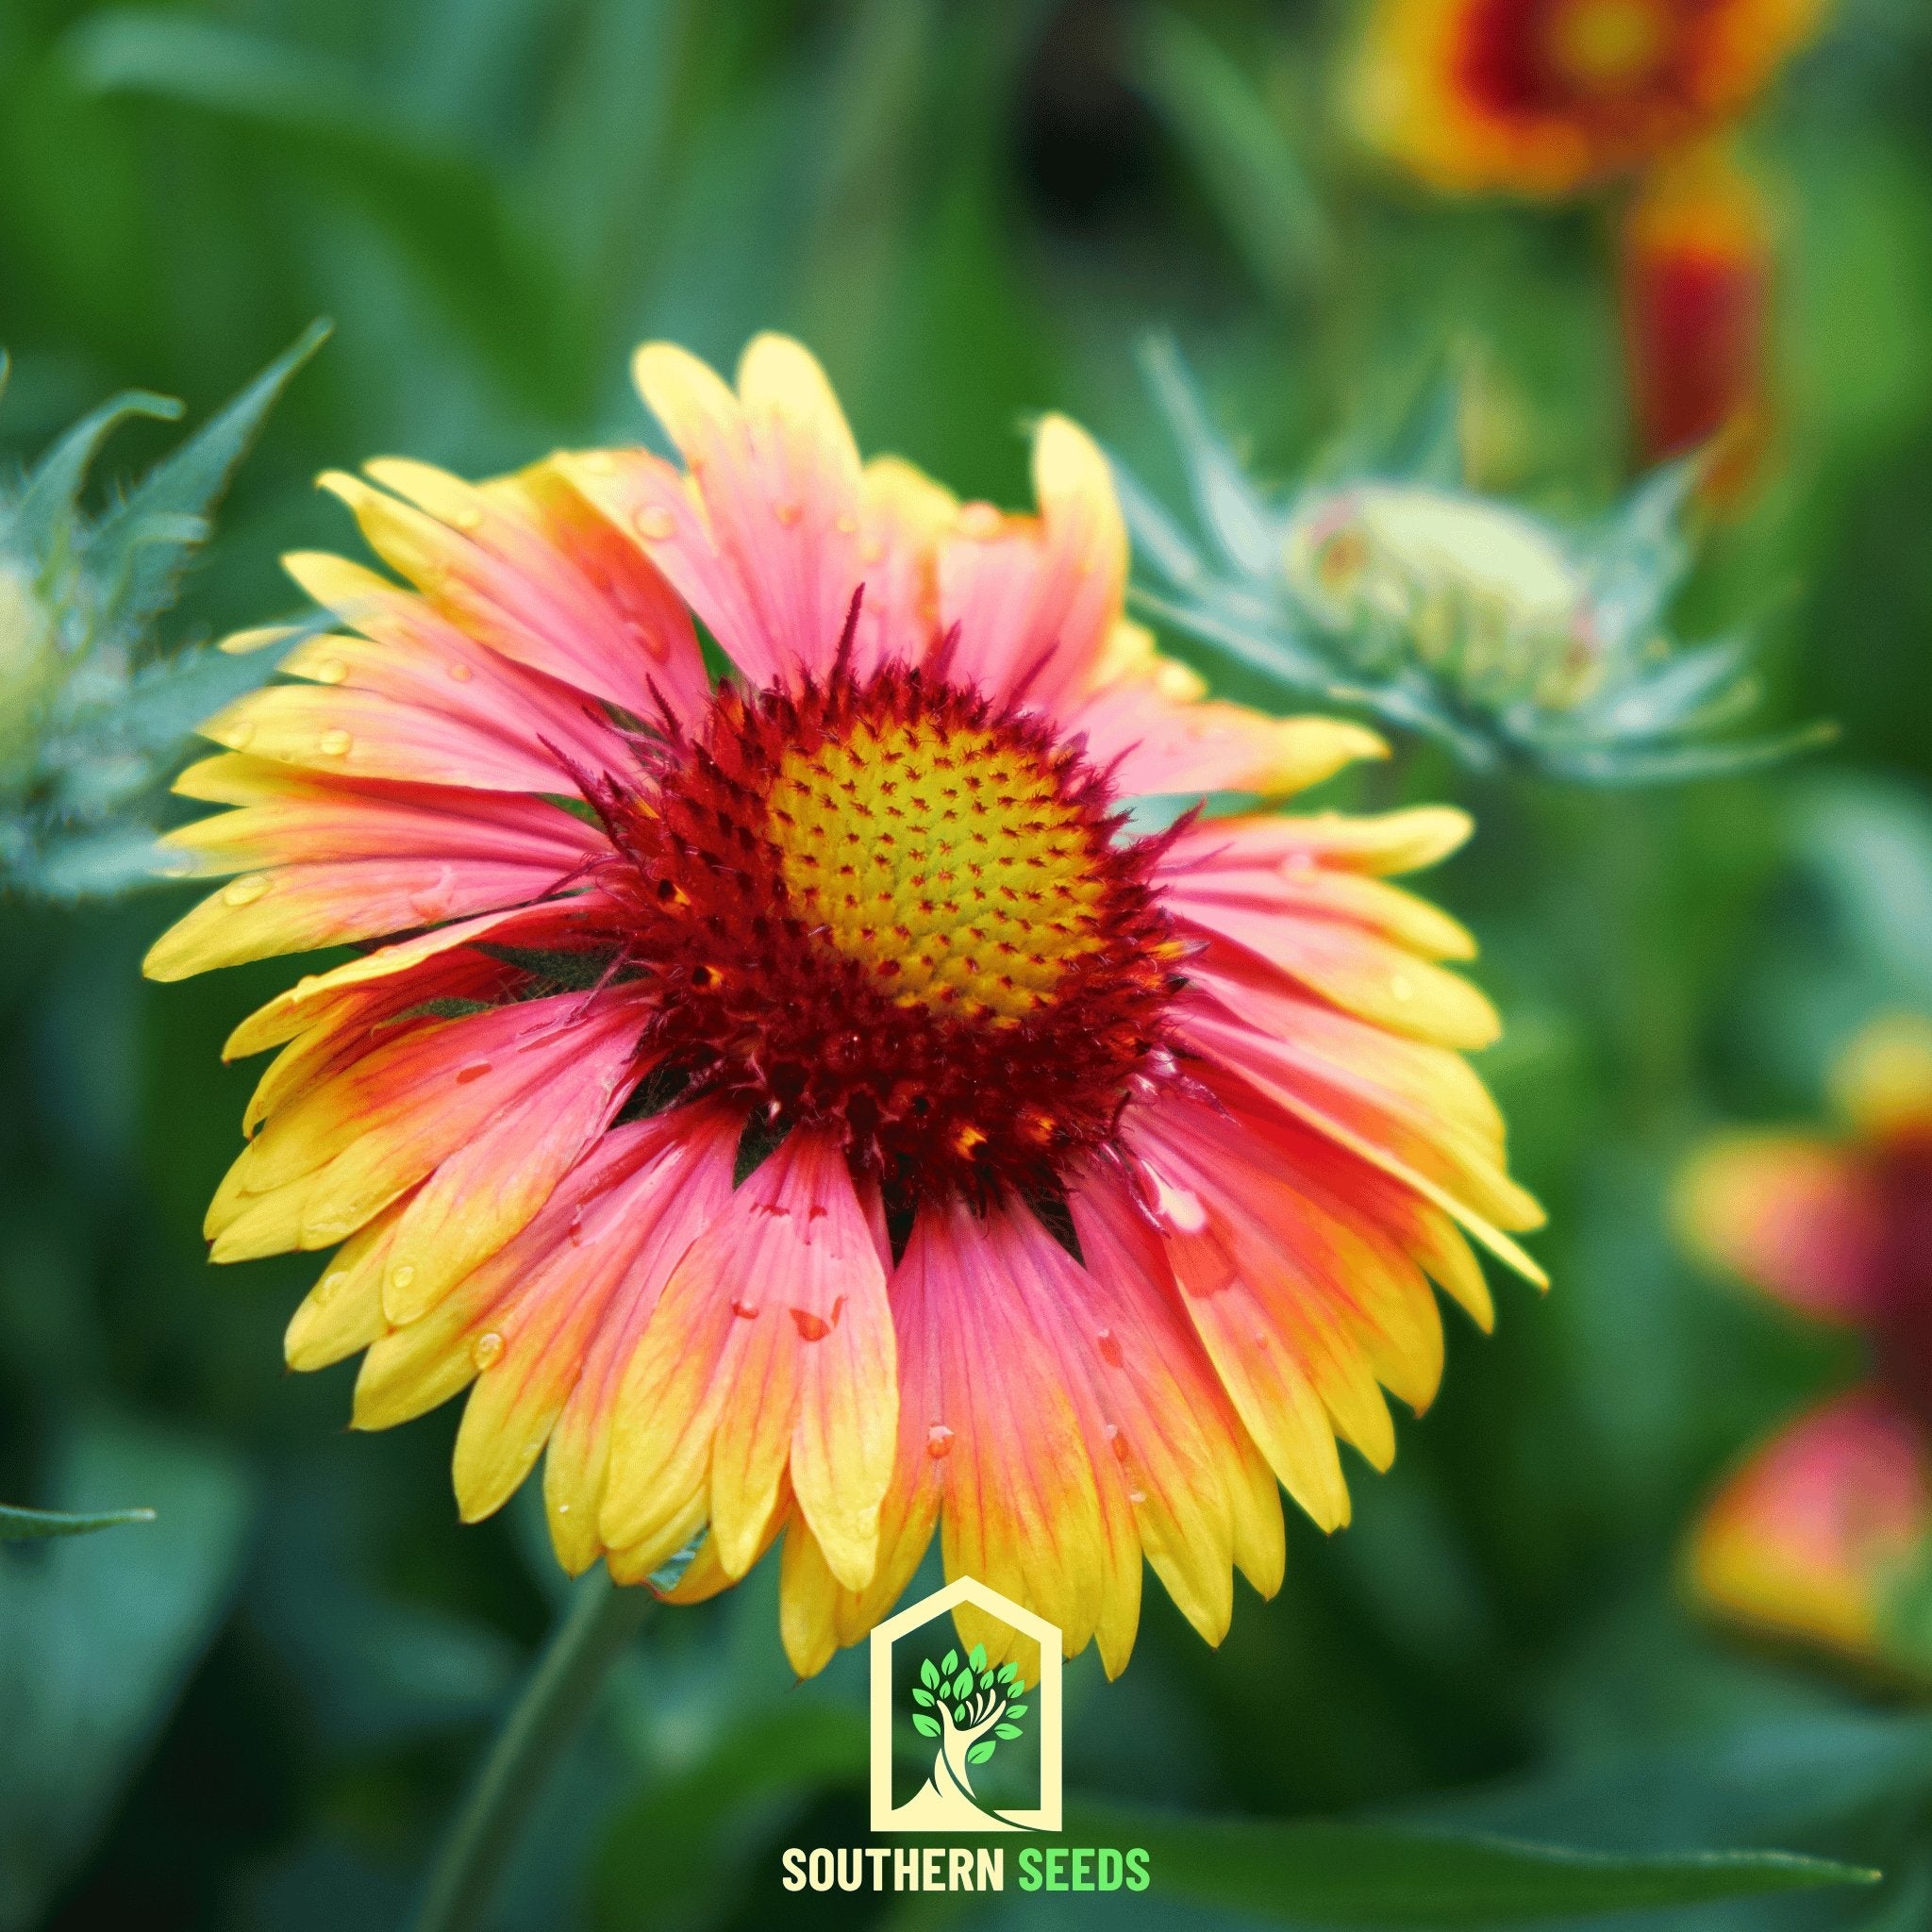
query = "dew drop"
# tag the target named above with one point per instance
(847, 524)
(1110, 1346)
(656, 524)
(487, 1348)
(1402, 986)
(563, 1509)
(432, 901)
(328, 671)
(576, 1229)
(745, 1311)
(786, 512)
(399, 1278)
(333, 743)
(467, 518)
(475, 1070)
(461, 674)
(938, 1442)
(1116, 1441)
(329, 1287)
(239, 737)
(245, 891)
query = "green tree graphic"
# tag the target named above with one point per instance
(970, 1708)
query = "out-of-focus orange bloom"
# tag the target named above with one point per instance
(1824, 1533)
(1696, 270)
(1544, 97)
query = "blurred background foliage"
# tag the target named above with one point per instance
(254, 1713)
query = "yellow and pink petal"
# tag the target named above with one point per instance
(1792, 1214)
(769, 1351)
(1819, 1530)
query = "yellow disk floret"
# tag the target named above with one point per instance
(946, 858)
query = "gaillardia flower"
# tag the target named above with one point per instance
(1824, 1533)
(1544, 97)
(1696, 270)
(803, 1106)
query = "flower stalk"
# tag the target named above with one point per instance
(562, 1691)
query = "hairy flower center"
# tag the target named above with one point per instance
(944, 858)
(896, 912)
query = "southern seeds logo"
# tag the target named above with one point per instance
(967, 1708)
(965, 1738)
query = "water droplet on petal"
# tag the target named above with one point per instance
(563, 1509)
(1110, 1346)
(333, 744)
(467, 517)
(461, 673)
(847, 524)
(1116, 1441)
(654, 525)
(399, 1278)
(1137, 1496)
(328, 671)
(816, 1327)
(938, 1442)
(245, 891)
(475, 1070)
(432, 902)
(745, 1311)
(1180, 1207)
(486, 1349)
(786, 512)
(1402, 987)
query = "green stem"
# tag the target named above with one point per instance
(488, 1824)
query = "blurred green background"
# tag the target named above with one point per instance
(254, 1714)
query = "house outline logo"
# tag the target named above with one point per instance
(984, 1695)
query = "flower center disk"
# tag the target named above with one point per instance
(944, 859)
(899, 912)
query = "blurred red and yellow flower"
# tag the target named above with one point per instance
(804, 1105)
(1823, 1533)
(1544, 97)
(1696, 263)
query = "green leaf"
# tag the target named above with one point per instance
(141, 546)
(1006, 1730)
(981, 1751)
(1251, 175)
(950, 1662)
(1016, 1710)
(1392, 1875)
(922, 1697)
(442, 206)
(97, 1637)
(53, 492)
(962, 1683)
(929, 1674)
(926, 1726)
(30, 1526)
(977, 1656)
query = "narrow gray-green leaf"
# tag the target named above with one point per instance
(31, 1525)
(1392, 1877)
